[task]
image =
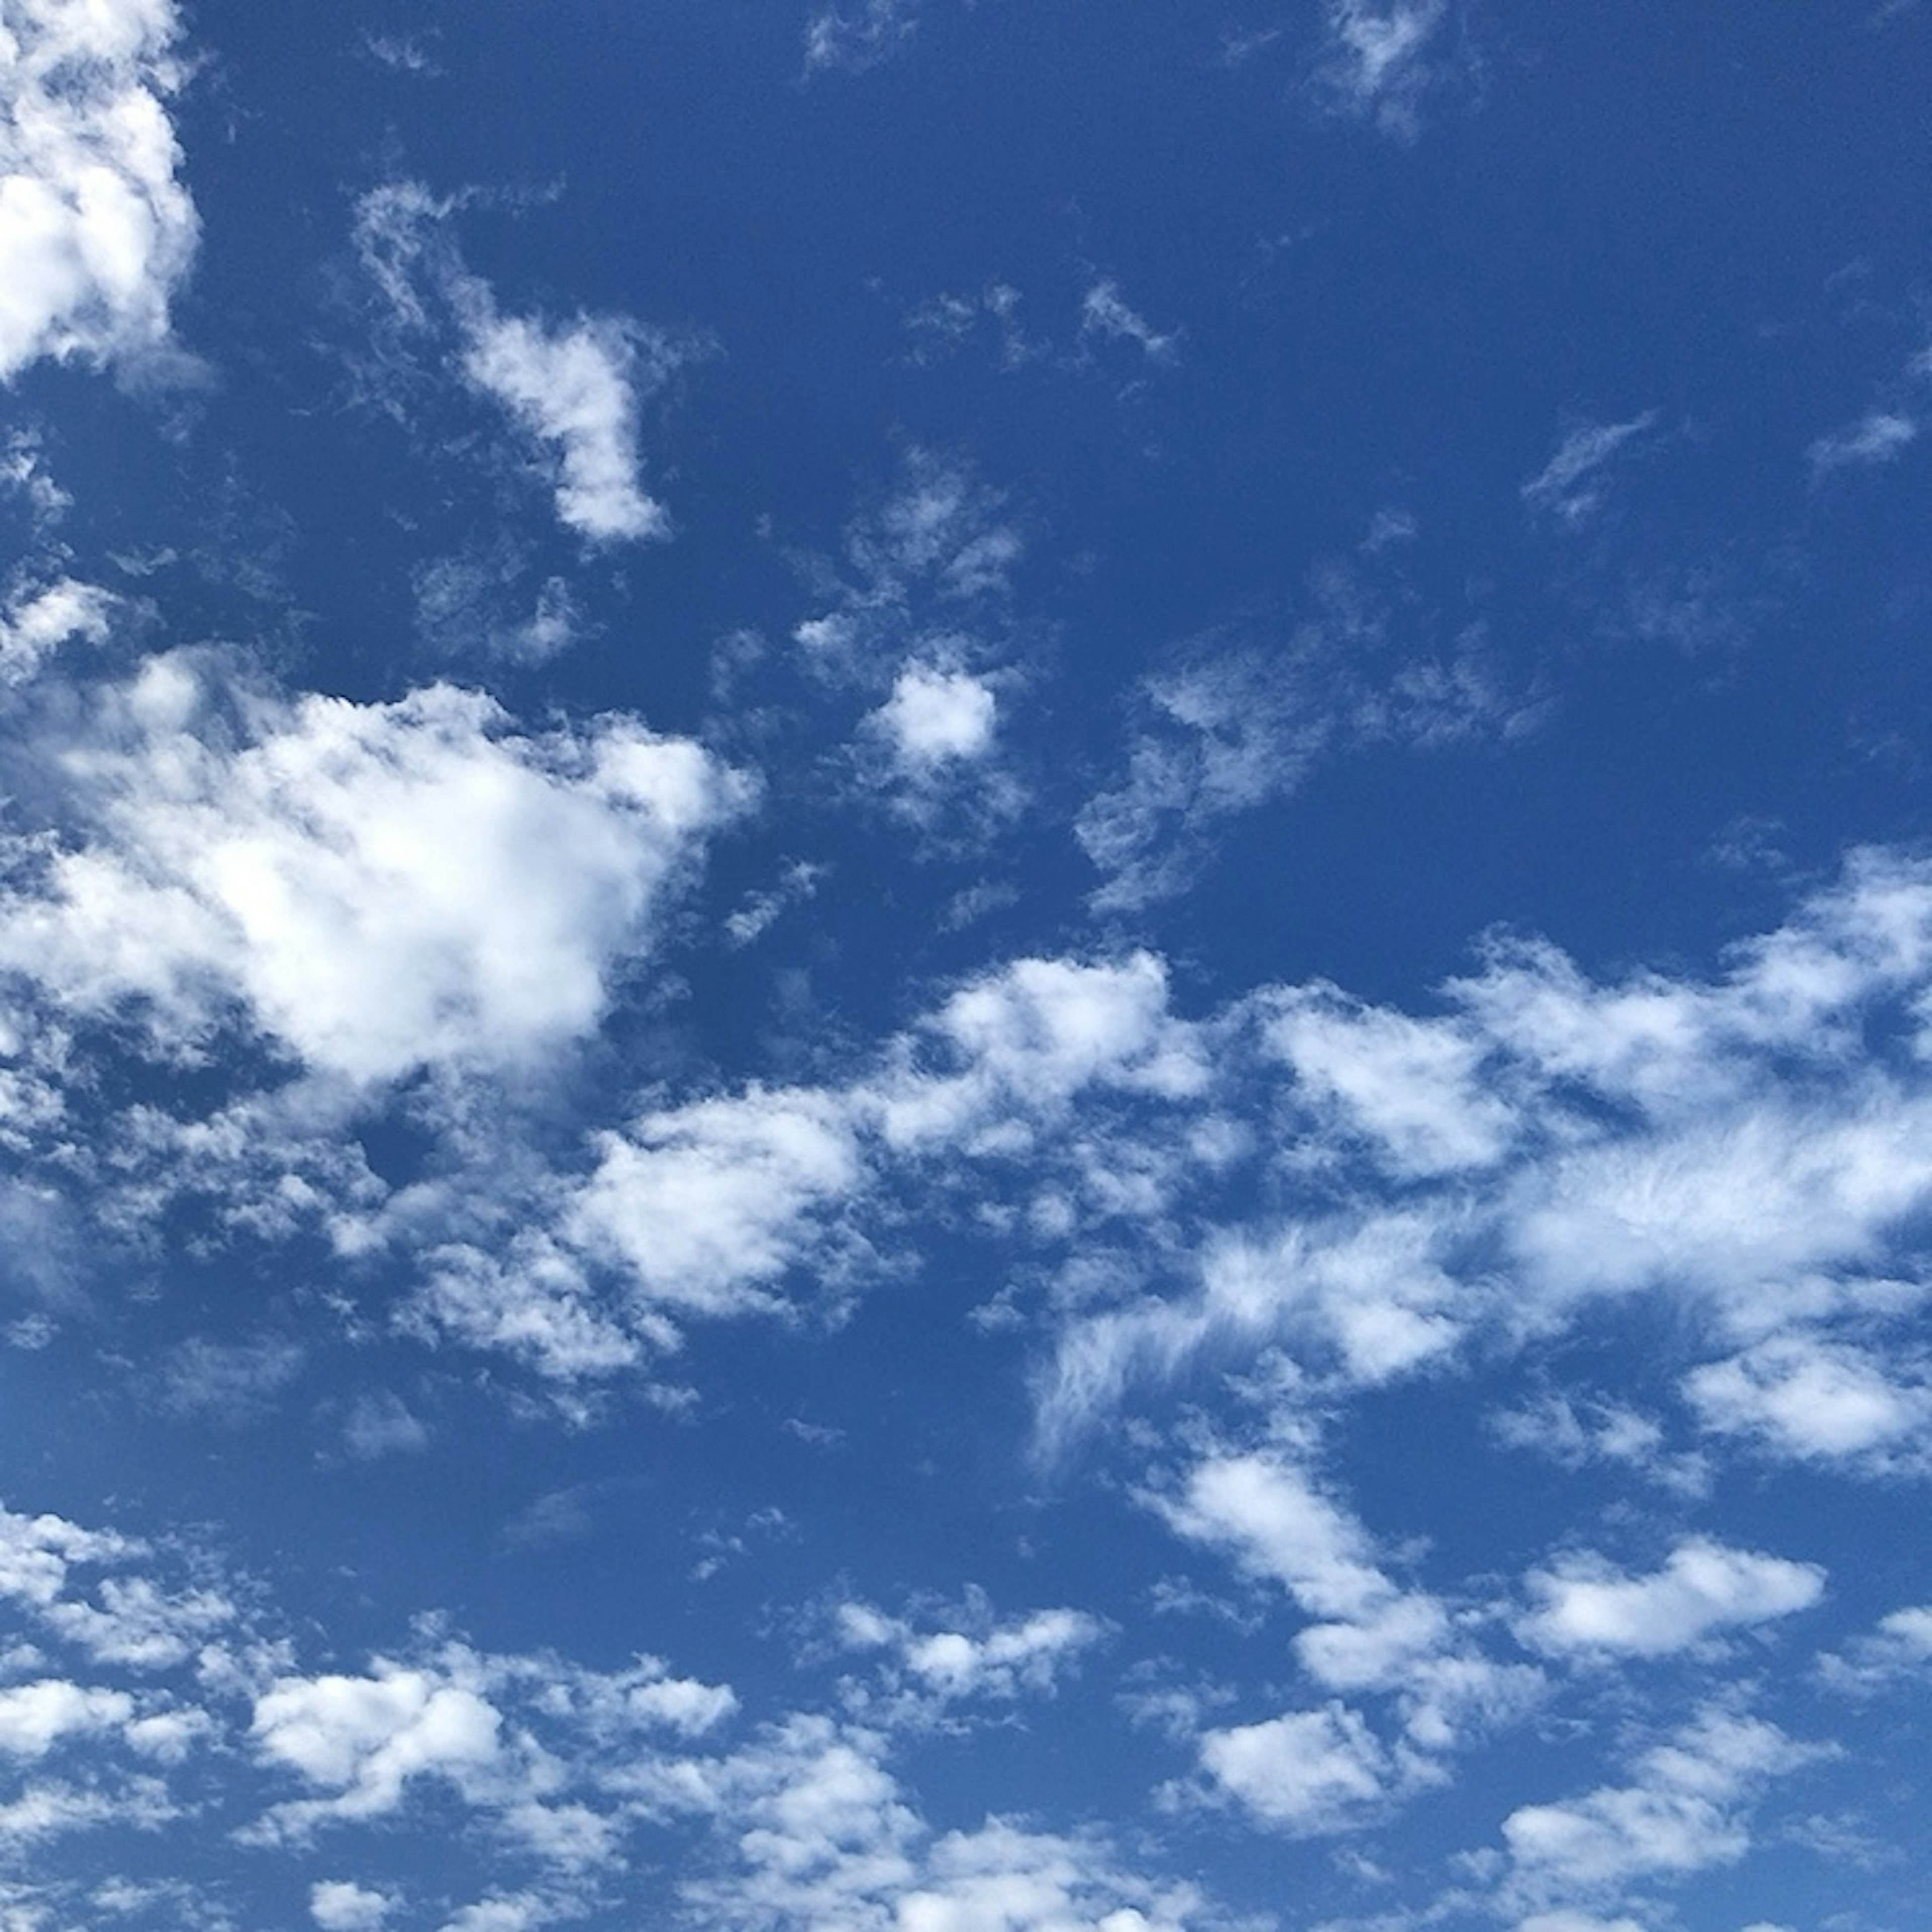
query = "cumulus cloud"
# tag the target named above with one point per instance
(1367, 1633)
(705, 1210)
(1587, 1606)
(1308, 1772)
(34, 1718)
(936, 717)
(96, 230)
(376, 887)
(362, 1739)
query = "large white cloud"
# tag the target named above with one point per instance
(96, 230)
(378, 887)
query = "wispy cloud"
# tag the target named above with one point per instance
(1573, 487)
(850, 39)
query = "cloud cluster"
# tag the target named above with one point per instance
(97, 231)
(563, 1776)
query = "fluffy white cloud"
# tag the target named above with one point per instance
(706, 1206)
(935, 717)
(1813, 1399)
(36, 623)
(575, 389)
(339, 1905)
(1309, 1772)
(1586, 1606)
(34, 1718)
(1369, 1634)
(379, 887)
(1413, 1086)
(97, 231)
(362, 1739)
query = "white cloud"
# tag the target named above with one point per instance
(574, 389)
(984, 1657)
(936, 717)
(1414, 1087)
(97, 231)
(36, 623)
(340, 1905)
(1733, 1145)
(1309, 1771)
(1900, 1647)
(34, 1718)
(1813, 1400)
(1686, 1811)
(362, 1739)
(1704, 1587)
(1572, 486)
(707, 1206)
(379, 887)
(1368, 1635)
(1276, 1525)
(1228, 729)
(935, 552)
(380, 1424)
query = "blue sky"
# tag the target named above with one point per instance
(963, 967)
